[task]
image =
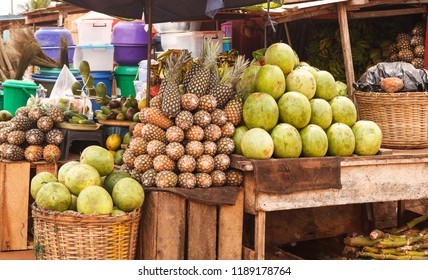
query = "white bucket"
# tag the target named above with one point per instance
(142, 70)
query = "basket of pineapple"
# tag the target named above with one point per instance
(79, 216)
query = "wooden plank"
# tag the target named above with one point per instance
(387, 13)
(346, 48)
(248, 254)
(283, 227)
(202, 231)
(294, 175)
(249, 193)
(164, 226)
(360, 184)
(260, 235)
(230, 227)
(46, 167)
(14, 197)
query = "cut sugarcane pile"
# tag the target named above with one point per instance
(406, 243)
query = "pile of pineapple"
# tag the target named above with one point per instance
(409, 47)
(31, 135)
(185, 136)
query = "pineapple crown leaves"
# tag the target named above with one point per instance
(174, 63)
(233, 74)
(209, 53)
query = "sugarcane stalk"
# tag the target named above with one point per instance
(393, 241)
(411, 224)
(359, 241)
(390, 257)
(376, 234)
(413, 247)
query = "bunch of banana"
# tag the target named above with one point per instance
(228, 57)
(73, 116)
(158, 68)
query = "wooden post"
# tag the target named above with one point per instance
(259, 236)
(426, 43)
(346, 48)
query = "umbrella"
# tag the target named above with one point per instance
(162, 10)
(156, 11)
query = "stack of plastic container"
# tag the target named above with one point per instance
(95, 47)
(49, 39)
(130, 40)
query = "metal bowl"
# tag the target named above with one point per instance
(169, 27)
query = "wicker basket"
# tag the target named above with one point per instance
(402, 117)
(77, 236)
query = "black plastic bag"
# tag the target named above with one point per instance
(413, 79)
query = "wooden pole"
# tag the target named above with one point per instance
(346, 48)
(149, 51)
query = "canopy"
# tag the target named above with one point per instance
(162, 10)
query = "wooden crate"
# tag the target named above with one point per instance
(176, 228)
(15, 178)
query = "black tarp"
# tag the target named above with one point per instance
(162, 10)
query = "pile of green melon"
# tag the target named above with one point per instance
(295, 110)
(88, 186)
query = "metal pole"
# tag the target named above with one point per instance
(149, 51)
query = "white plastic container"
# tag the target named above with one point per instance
(192, 41)
(100, 58)
(142, 70)
(95, 32)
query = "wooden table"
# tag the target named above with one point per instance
(393, 176)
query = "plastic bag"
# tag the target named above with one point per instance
(413, 79)
(62, 95)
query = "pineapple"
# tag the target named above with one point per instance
(186, 163)
(418, 63)
(221, 162)
(205, 164)
(174, 134)
(20, 123)
(233, 110)
(4, 132)
(45, 123)
(33, 153)
(419, 51)
(16, 137)
(11, 152)
(208, 103)
(124, 167)
(51, 153)
(212, 132)
(143, 114)
(419, 29)
(156, 148)
(201, 80)
(392, 49)
(4, 124)
(166, 179)
(171, 105)
(174, 150)
(136, 175)
(225, 146)
(137, 131)
(406, 55)
(228, 130)
(403, 37)
(404, 44)
(163, 163)
(22, 111)
(156, 102)
(148, 178)
(189, 102)
(186, 180)
(128, 158)
(234, 177)
(203, 180)
(137, 146)
(210, 148)
(195, 133)
(157, 117)
(202, 118)
(218, 178)
(195, 149)
(34, 136)
(54, 136)
(184, 120)
(55, 114)
(143, 162)
(151, 132)
(218, 117)
(223, 91)
(417, 41)
(194, 68)
(35, 114)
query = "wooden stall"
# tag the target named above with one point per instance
(325, 182)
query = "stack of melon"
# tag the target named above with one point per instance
(88, 186)
(296, 111)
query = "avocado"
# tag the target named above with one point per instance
(120, 117)
(122, 100)
(130, 113)
(111, 116)
(5, 115)
(136, 117)
(84, 68)
(114, 103)
(101, 89)
(76, 88)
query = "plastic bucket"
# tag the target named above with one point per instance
(16, 94)
(125, 77)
